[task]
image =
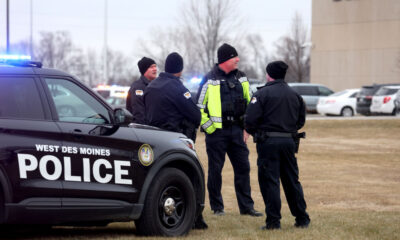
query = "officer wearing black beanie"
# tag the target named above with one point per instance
(277, 69)
(169, 106)
(222, 98)
(226, 52)
(134, 101)
(174, 63)
(275, 114)
(144, 64)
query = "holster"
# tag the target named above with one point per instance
(296, 139)
(189, 129)
(259, 136)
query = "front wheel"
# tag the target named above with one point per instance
(347, 112)
(170, 206)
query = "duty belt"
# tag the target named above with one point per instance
(261, 136)
(279, 134)
(231, 120)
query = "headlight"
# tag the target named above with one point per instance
(189, 143)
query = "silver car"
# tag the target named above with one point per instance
(311, 93)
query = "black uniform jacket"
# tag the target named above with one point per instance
(135, 99)
(275, 107)
(168, 102)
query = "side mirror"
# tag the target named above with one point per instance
(122, 116)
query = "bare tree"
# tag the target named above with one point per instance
(293, 49)
(54, 49)
(210, 23)
(92, 72)
(160, 44)
(119, 68)
(203, 26)
(254, 61)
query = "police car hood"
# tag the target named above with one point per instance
(142, 126)
(155, 130)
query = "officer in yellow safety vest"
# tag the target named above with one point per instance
(222, 98)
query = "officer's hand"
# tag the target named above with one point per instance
(245, 136)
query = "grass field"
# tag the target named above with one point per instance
(350, 172)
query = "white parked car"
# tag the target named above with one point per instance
(341, 103)
(383, 100)
(397, 104)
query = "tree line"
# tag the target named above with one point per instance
(201, 28)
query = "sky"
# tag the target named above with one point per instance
(130, 20)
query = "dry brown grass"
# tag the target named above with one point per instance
(350, 172)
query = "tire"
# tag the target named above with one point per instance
(169, 187)
(347, 112)
(2, 207)
(397, 112)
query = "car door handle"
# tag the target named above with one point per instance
(77, 134)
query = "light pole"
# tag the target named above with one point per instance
(105, 65)
(31, 37)
(8, 28)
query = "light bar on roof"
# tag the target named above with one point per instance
(15, 57)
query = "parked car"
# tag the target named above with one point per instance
(111, 91)
(254, 87)
(88, 166)
(397, 104)
(364, 98)
(311, 93)
(342, 103)
(383, 100)
(117, 102)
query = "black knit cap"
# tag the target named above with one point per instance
(277, 69)
(226, 52)
(174, 63)
(144, 64)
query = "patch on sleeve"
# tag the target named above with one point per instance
(139, 92)
(187, 95)
(253, 100)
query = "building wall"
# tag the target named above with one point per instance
(355, 42)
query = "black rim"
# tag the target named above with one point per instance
(176, 218)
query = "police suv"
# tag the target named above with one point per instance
(68, 158)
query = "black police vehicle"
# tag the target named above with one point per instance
(68, 158)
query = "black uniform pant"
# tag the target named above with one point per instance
(276, 159)
(229, 141)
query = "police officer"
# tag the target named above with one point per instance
(273, 117)
(134, 100)
(169, 105)
(222, 99)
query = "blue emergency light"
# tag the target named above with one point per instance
(19, 60)
(195, 80)
(15, 57)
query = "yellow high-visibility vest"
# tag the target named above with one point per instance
(210, 98)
